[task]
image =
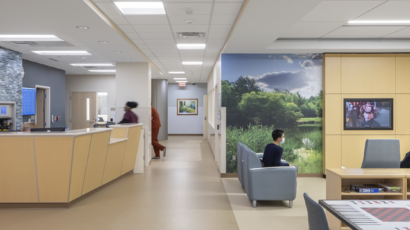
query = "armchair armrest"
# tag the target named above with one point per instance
(272, 183)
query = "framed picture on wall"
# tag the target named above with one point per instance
(187, 106)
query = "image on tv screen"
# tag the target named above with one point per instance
(368, 114)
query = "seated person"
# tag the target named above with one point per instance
(273, 152)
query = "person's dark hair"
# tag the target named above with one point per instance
(277, 133)
(132, 104)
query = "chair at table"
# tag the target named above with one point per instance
(316, 215)
(381, 153)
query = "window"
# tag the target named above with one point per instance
(88, 108)
(102, 106)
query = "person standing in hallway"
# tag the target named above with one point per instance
(155, 125)
(129, 116)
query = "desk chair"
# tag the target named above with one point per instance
(316, 215)
(381, 153)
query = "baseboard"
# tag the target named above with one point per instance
(62, 205)
(185, 135)
(235, 175)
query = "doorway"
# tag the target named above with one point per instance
(42, 117)
(83, 110)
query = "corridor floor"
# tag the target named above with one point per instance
(181, 191)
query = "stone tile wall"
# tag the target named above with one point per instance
(11, 80)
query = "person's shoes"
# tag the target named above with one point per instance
(156, 158)
(165, 151)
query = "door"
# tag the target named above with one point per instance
(40, 108)
(83, 110)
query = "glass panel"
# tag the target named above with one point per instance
(88, 108)
(102, 106)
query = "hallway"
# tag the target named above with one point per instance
(181, 191)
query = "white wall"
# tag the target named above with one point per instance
(185, 124)
(89, 83)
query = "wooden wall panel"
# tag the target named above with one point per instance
(404, 145)
(333, 148)
(332, 73)
(18, 181)
(402, 73)
(334, 114)
(353, 148)
(80, 157)
(53, 156)
(119, 133)
(96, 161)
(113, 164)
(131, 149)
(372, 73)
(402, 113)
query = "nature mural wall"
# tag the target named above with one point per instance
(263, 92)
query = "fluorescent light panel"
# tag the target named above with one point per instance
(28, 37)
(191, 46)
(140, 8)
(380, 22)
(192, 63)
(176, 72)
(182, 78)
(62, 52)
(102, 70)
(92, 64)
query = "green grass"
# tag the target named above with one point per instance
(308, 155)
(316, 119)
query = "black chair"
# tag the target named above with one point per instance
(316, 215)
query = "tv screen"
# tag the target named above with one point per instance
(368, 114)
(29, 101)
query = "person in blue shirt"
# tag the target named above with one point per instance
(273, 152)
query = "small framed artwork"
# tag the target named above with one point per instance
(187, 106)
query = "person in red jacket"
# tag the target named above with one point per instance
(155, 125)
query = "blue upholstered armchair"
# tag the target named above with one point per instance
(270, 183)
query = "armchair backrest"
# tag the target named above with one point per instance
(239, 161)
(250, 160)
(381, 153)
(316, 215)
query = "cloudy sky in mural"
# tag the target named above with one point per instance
(294, 72)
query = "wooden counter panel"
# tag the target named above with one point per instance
(119, 133)
(17, 170)
(113, 164)
(96, 161)
(80, 157)
(131, 149)
(53, 157)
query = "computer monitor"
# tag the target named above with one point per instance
(57, 129)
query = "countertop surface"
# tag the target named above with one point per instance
(76, 132)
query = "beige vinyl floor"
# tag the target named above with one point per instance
(180, 192)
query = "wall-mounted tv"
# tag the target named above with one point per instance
(29, 101)
(368, 114)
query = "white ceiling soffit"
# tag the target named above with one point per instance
(60, 18)
(155, 35)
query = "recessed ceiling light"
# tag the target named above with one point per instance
(192, 63)
(191, 46)
(83, 27)
(176, 72)
(181, 81)
(102, 70)
(117, 52)
(92, 64)
(135, 8)
(62, 52)
(15, 37)
(128, 59)
(380, 22)
(182, 78)
(103, 42)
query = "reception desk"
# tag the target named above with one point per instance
(58, 169)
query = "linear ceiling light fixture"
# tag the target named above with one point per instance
(176, 72)
(140, 8)
(102, 70)
(191, 46)
(92, 64)
(21, 37)
(181, 78)
(192, 63)
(379, 22)
(62, 52)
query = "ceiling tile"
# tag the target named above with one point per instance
(167, 54)
(182, 1)
(227, 8)
(160, 42)
(151, 28)
(126, 28)
(179, 8)
(223, 19)
(190, 40)
(108, 8)
(159, 52)
(161, 36)
(196, 19)
(197, 58)
(229, 0)
(218, 35)
(138, 42)
(162, 47)
(220, 28)
(190, 28)
(211, 53)
(311, 29)
(363, 31)
(400, 34)
(147, 19)
(328, 11)
(118, 19)
(192, 52)
(132, 35)
(391, 10)
(216, 41)
(101, 0)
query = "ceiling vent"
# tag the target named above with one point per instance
(25, 43)
(190, 35)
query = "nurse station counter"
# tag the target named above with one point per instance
(58, 169)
